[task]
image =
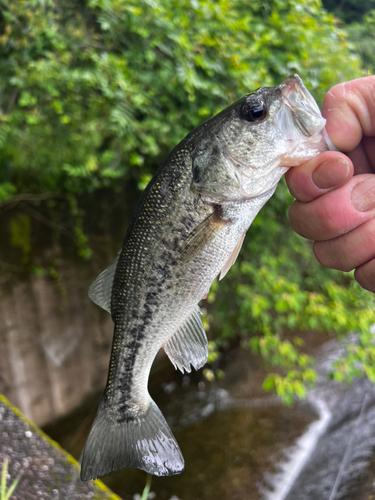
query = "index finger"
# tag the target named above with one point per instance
(349, 109)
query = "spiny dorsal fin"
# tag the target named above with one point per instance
(232, 259)
(188, 345)
(200, 237)
(101, 289)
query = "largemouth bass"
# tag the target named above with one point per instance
(187, 228)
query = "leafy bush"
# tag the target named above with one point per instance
(362, 35)
(282, 289)
(93, 91)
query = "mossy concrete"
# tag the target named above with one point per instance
(46, 471)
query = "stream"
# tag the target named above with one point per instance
(241, 443)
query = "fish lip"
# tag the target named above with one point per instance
(300, 121)
(295, 95)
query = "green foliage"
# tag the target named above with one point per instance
(358, 19)
(7, 190)
(81, 239)
(20, 235)
(147, 487)
(280, 289)
(4, 493)
(362, 35)
(98, 90)
(349, 11)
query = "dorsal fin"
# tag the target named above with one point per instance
(232, 259)
(101, 289)
(188, 345)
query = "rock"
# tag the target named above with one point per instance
(45, 470)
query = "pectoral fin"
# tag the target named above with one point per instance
(232, 259)
(188, 345)
(200, 237)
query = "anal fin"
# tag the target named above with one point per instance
(188, 345)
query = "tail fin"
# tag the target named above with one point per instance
(144, 442)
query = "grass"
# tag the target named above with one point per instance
(146, 490)
(4, 493)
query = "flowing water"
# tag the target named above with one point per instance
(239, 443)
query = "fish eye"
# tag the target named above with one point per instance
(254, 110)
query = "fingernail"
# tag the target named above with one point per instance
(363, 195)
(331, 173)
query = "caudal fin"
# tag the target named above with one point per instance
(144, 442)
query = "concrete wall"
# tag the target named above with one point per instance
(54, 343)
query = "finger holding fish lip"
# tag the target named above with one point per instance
(336, 212)
(348, 108)
(334, 208)
(319, 175)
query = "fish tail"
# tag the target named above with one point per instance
(143, 442)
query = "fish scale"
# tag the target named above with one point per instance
(187, 228)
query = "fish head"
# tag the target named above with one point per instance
(245, 149)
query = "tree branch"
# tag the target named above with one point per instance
(8, 205)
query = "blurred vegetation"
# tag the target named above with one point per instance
(94, 93)
(358, 19)
(349, 11)
(361, 34)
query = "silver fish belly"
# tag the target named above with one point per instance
(187, 228)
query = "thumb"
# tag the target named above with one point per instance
(319, 175)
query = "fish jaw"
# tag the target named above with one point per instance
(300, 121)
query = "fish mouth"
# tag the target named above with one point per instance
(300, 122)
(305, 111)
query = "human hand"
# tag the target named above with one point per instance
(335, 193)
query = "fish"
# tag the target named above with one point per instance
(188, 228)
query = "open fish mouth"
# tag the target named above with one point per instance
(301, 122)
(305, 111)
